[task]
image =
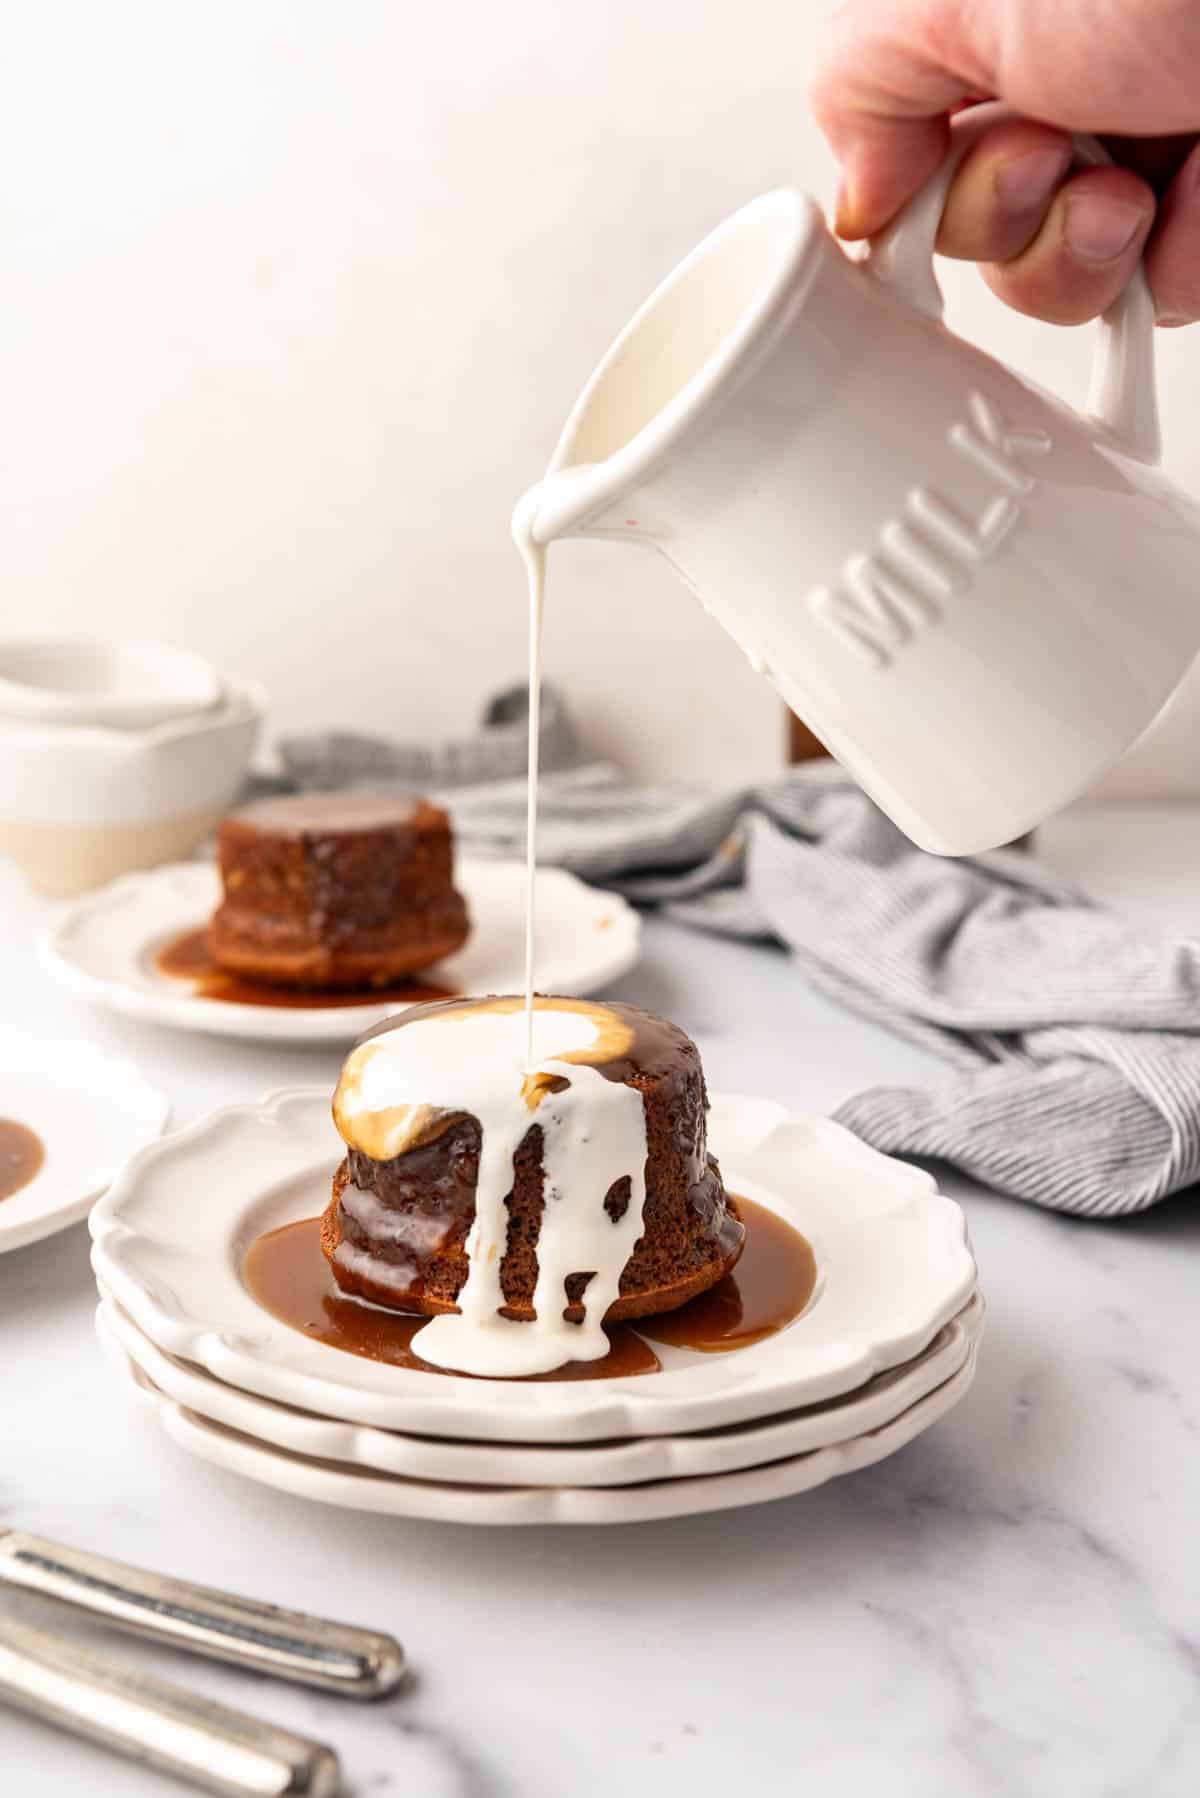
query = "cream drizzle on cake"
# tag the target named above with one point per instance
(401, 1087)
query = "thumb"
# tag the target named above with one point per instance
(889, 76)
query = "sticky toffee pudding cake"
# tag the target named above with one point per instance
(516, 1202)
(349, 890)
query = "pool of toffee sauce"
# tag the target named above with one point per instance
(772, 1283)
(188, 957)
(21, 1155)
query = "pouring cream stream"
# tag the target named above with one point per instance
(512, 1068)
(533, 555)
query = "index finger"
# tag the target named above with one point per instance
(884, 102)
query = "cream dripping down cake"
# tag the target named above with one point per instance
(518, 1200)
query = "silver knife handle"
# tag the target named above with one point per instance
(286, 1644)
(221, 1749)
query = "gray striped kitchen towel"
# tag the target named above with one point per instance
(1073, 1034)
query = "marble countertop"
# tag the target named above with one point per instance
(1010, 1606)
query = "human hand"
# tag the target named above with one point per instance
(1056, 244)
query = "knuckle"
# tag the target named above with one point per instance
(1039, 294)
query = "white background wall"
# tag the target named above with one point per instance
(294, 298)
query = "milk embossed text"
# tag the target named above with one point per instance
(928, 554)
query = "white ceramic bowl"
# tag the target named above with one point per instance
(129, 684)
(80, 804)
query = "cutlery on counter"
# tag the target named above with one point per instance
(222, 1749)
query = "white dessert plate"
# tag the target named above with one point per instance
(894, 1267)
(105, 948)
(355, 1489)
(90, 1108)
(602, 1464)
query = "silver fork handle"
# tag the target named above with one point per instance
(359, 1663)
(216, 1747)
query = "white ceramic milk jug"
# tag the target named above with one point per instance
(977, 597)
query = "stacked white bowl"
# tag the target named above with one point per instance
(114, 754)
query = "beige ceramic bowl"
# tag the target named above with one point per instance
(81, 804)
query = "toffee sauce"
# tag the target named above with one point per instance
(22, 1153)
(188, 957)
(286, 1272)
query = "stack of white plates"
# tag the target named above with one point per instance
(885, 1347)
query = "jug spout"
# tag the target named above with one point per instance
(576, 502)
(671, 369)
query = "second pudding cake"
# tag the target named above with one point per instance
(347, 890)
(397, 1228)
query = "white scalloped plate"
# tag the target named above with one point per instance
(90, 1108)
(894, 1266)
(523, 1464)
(355, 1489)
(104, 947)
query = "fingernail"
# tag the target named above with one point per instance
(1028, 181)
(1098, 228)
(845, 212)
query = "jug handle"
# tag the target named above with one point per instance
(1123, 399)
